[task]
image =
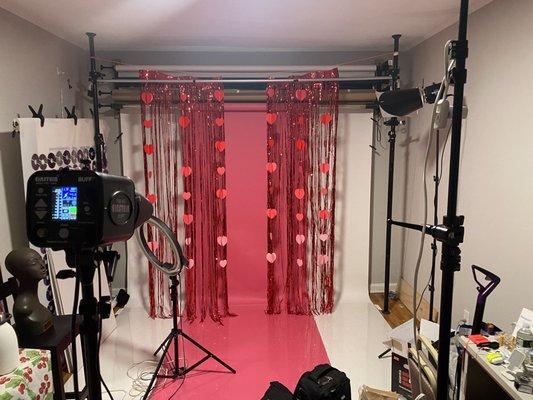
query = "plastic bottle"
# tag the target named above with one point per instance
(524, 337)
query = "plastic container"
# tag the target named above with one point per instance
(524, 337)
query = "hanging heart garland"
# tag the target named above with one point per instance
(147, 97)
(148, 148)
(271, 213)
(186, 171)
(186, 195)
(147, 123)
(300, 262)
(299, 193)
(223, 263)
(187, 219)
(299, 217)
(323, 237)
(326, 118)
(324, 191)
(324, 167)
(300, 239)
(183, 96)
(271, 142)
(323, 259)
(271, 166)
(153, 246)
(300, 94)
(219, 95)
(221, 170)
(188, 241)
(152, 198)
(271, 118)
(220, 145)
(301, 120)
(271, 257)
(300, 144)
(190, 264)
(222, 240)
(270, 91)
(184, 121)
(221, 193)
(219, 121)
(323, 214)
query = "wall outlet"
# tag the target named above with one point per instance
(466, 315)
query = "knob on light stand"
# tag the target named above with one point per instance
(173, 271)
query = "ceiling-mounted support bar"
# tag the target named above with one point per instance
(221, 69)
(393, 123)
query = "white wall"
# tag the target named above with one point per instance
(31, 58)
(496, 190)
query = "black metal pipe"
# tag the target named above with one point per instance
(436, 179)
(450, 259)
(390, 189)
(93, 77)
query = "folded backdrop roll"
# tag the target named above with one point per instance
(301, 148)
(184, 140)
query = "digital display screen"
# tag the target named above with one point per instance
(65, 203)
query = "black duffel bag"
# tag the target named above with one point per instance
(323, 383)
(277, 391)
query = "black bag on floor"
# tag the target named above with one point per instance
(277, 391)
(323, 383)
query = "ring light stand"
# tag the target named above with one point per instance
(173, 272)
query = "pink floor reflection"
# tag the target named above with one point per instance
(262, 348)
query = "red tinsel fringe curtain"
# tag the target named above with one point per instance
(184, 141)
(301, 149)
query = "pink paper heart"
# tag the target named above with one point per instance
(219, 95)
(324, 191)
(223, 263)
(220, 145)
(187, 219)
(271, 257)
(300, 239)
(186, 170)
(271, 166)
(323, 237)
(147, 123)
(222, 240)
(271, 118)
(300, 144)
(323, 259)
(299, 193)
(300, 262)
(270, 91)
(221, 170)
(183, 96)
(326, 118)
(191, 263)
(323, 214)
(324, 167)
(300, 94)
(219, 121)
(184, 121)
(271, 213)
(299, 217)
(147, 97)
(221, 193)
(186, 195)
(188, 241)
(153, 246)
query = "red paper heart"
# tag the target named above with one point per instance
(220, 145)
(271, 118)
(300, 239)
(270, 91)
(300, 144)
(222, 240)
(223, 263)
(299, 193)
(187, 219)
(219, 121)
(300, 94)
(326, 118)
(324, 167)
(324, 191)
(221, 193)
(271, 213)
(323, 237)
(147, 97)
(184, 121)
(270, 142)
(219, 95)
(301, 120)
(186, 170)
(271, 167)
(271, 257)
(152, 198)
(300, 262)
(221, 170)
(183, 96)
(323, 214)
(186, 195)
(299, 217)
(147, 123)
(148, 148)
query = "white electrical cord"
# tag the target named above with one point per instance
(443, 91)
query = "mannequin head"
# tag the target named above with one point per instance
(26, 264)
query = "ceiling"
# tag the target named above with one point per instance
(165, 25)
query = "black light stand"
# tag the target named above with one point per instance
(94, 75)
(434, 249)
(173, 338)
(393, 123)
(83, 261)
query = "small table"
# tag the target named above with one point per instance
(56, 340)
(476, 374)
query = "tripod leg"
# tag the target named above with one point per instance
(210, 354)
(167, 343)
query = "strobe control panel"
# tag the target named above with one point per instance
(79, 209)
